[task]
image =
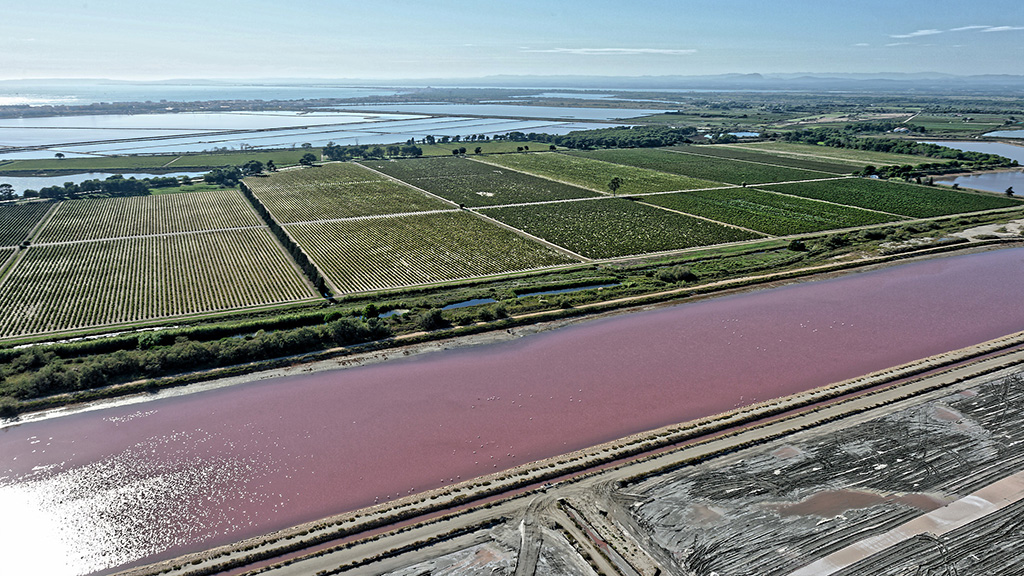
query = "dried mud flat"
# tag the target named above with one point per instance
(780, 506)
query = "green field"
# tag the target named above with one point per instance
(611, 227)
(17, 220)
(766, 212)
(490, 147)
(475, 183)
(703, 167)
(766, 157)
(905, 199)
(956, 122)
(595, 174)
(388, 252)
(84, 284)
(95, 164)
(858, 158)
(336, 190)
(97, 218)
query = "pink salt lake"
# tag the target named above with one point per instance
(109, 488)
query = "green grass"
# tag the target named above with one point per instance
(955, 122)
(98, 164)
(596, 175)
(475, 183)
(613, 227)
(389, 252)
(137, 279)
(17, 220)
(766, 212)
(98, 218)
(767, 157)
(858, 158)
(336, 190)
(163, 162)
(703, 167)
(904, 199)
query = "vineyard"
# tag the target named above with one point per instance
(766, 212)
(102, 218)
(130, 280)
(475, 183)
(615, 227)
(17, 220)
(766, 157)
(378, 253)
(336, 191)
(904, 199)
(703, 167)
(596, 175)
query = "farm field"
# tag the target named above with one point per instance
(489, 147)
(595, 174)
(955, 122)
(388, 252)
(334, 191)
(96, 164)
(475, 183)
(859, 158)
(766, 157)
(137, 279)
(897, 198)
(766, 212)
(100, 218)
(613, 227)
(17, 220)
(703, 167)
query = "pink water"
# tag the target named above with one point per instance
(102, 489)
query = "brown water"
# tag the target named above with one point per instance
(102, 489)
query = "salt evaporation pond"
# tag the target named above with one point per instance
(98, 490)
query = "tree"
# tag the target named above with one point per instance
(615, 184)
(6, 192)
(307, 159)
(59, 155)
(1009, 191)
(477, 150)
(270, 166)
(252, 167)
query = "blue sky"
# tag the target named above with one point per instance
(427, 39)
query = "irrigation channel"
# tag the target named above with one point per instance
(98, 490)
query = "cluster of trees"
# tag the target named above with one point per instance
(116, 185)
(335, 152)
(6, 192)
(619, 137)
(32, 373)
(311, 271)
(847, 137)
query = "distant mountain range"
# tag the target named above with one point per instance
(816, 82)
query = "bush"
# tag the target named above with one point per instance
(797, 246)
(432, 320)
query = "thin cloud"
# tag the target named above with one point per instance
(965, 28)
(1003, 28)
(898, 44)
(862, 44)
(601, 51)
(917, 33)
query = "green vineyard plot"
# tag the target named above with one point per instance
(703, 167)
(378, 253)
(475, 183)
(17, 220)
(766, 212)
(100, 218)
(138, 279)
(336, 190)
(596, 175)
(613, 227)
(897, 198)
(766, 157)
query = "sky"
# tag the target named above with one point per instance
(406, 39)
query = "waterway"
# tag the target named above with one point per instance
(990, 181)
(98, 490)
